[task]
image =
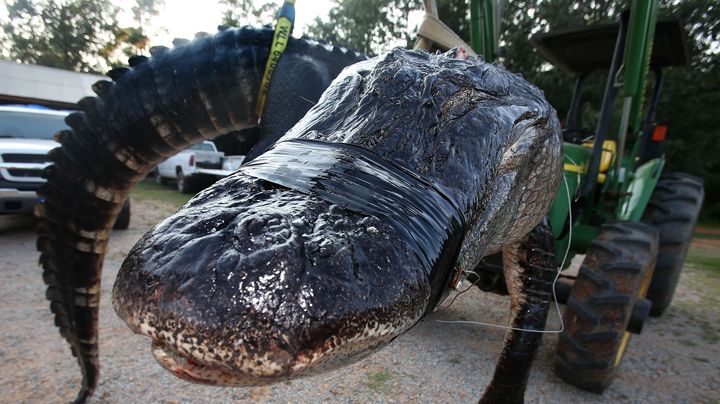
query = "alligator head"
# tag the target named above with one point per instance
(252, 282)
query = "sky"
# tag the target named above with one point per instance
(183, 18)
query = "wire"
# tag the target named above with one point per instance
(577, 190)
(557, 276)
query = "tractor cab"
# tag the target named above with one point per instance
(582, 51)
(611, 171)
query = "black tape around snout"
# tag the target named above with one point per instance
(360, 180)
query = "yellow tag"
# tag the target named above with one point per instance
(280, 41)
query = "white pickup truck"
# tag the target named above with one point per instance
(196, 167)
(26, 137)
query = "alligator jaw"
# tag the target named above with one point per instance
(190, 370)
(234, 365)
(271, 367)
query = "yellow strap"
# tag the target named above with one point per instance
(574, 168)
(279, 43)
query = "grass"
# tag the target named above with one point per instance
(704, 259)
(707, 229)
(149, 190)
(709, 333)
(377, 382)
(702, 278)
(700, 234)
(688, 343)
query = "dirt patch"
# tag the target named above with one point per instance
(705, 243)
(676, 359)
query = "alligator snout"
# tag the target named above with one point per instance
(252, 282)
(243, 287)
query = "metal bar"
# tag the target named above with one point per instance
(475, 26)
(641, 33)
(643, 148)
(601, 129)
(488, 32)
(482, 34)
(622, 135)
(571, 119)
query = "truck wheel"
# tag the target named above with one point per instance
(184, 184)
(158, 178)
(123, 220)
(606, 304)
(673, 210)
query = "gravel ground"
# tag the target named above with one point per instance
(675, 360)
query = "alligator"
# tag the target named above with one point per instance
(346, 232)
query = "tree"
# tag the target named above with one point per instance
(134, 40)
(690, 99)
(144, 10)
(368, 26)
(72, 34)
(244, 12)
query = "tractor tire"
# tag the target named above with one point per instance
(673, 210)
(123, 220)
(606, 304)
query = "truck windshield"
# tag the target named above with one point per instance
(30, 125)
(202, 146)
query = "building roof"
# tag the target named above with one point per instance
(24, 83)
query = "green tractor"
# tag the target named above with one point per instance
(620, 199)
(632, 220)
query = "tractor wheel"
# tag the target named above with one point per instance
(123, 220)
(673, 209)
(606, 304)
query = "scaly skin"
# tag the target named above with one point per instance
(155, 108)
(252, 283)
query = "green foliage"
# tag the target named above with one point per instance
(454, 13)
(237, 13)
(705, 259)
(135, 38)
(690, 100)
(377, 382)
(144, 10)
(81, 35)
(367, 25)
(71, 34)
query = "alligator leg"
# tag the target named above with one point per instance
(530, 269)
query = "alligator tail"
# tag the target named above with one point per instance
(148, 112)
